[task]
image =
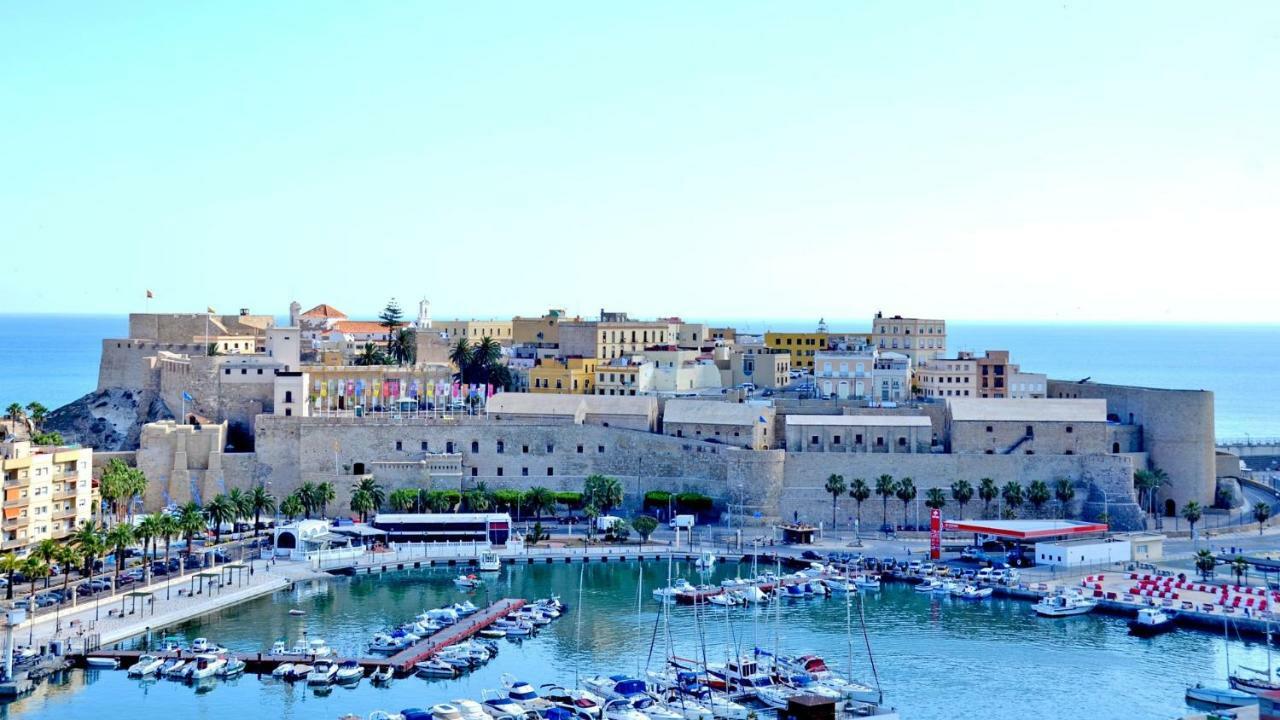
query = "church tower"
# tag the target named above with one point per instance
(424, 314)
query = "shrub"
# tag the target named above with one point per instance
(693, 502)
(570, 499)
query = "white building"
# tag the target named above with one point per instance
(1082, 553)
(844, 373)
(891, 378)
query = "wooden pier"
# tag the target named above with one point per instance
(402, 662)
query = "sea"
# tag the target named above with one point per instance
(53, 359)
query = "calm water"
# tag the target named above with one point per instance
(54, 359)
(937, 658)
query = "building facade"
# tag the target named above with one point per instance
(48, 491)
(802, 347)
(920, 339)
(574, 375)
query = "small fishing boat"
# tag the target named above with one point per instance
(1064, 605)
(233, 666)
(101, 663)
(469, 710)
(468, 582)
(146, 665)
(1151, 621)
(382, 676)
(175, 668)
(492, 632)
(489, 561)
(435, 667)
(322, 673)
(867, 582)
(168, 665)
(300, 671)
(1220, 697)
(928, 585)
(206, 665)
(724, 598)
(282, 671)
(705, 562)
(348, 671)
(297, 612)
(668, 594)
(973, 592)
(464, 608)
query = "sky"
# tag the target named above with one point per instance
(1002, 161)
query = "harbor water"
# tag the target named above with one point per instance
(935, 657)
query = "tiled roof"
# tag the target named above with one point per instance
(325, 311)
(359, 326)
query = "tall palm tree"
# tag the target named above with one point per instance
(1064, 491)
(478, 500)
(87, 539)
(9, 565)
(859, 491)
(34, 567)
(191, 521)
(260, 501)
(906, 492)
(1205, 563)
(374, 490)
(1038, 494)
(603, 491)
(460, 356)
(362, 503)
(118, 539)
(146, 531)
(37, 413)
(292, 507)
(14, 413)
(47, 551)
(167, 529)
(484, 356)
(403, 499)
(239, 500)
(988, 492)
(962, 493)
(219, 510)
(306, 494)
(1192, 513)
(836, 487)
(325, 494)
(885, 488)
(540, 500)
(1261, 512)
(1013, 497)
(68, 557)
(935, 498)
(370, 355)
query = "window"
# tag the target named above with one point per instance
(579, 449)
(501, 447)
(857, 439)
(448, 447)
(524, 471)
(424, 445)
(259, 371)
(813, 439)
(244, 371)
(1069, 429)
(902, 442)
(550, 448)
(226, 371)
(499, 471)
(599, 448)
(399, 445)
(1031, 432)
(524, 449)
(879, 441)
(475, 472)
(990, 429)
(288, 397)
(550, 472)
(288, 412)
(475, 446)
(834, 441)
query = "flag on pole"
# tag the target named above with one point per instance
(211, 310)
(149, 295)
(187, 396)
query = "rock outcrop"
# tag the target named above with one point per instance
(109, 419)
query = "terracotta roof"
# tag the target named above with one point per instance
(324, 311)
(359, 326)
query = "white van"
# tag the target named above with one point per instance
(984, 575)
(684, 522)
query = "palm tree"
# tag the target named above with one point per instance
(906, 492)
(191, 521)
(460, 356)
(37, 413)
(836, 487)
(1240, 567)
(33, 567)
(1192, 513)
(167, 528)
(438, 501)
(118, 539)
(603, 491)
(885, 488)
(14, 413)
(260, 501)
(370, 354)
(219, 510)
(147, 530)
(47, 551)
(9, 565)
(375, 491)
(325, 494)
(859, 491)
(1064, 492)
(1261, 511)
(962, 493)
(1038, 494)
(306, 494)
(484, 356)
(403, 499)
(478, 500)
(988, 491)
(362, 503)
(1013, 497)
(292, 507)
(403, 346)
(540, 500)
(1205, 563)
(240, 503)
(68, 557)
(935, 498)
(87, 539)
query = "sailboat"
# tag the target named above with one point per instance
(1260, 681)
(1227, 697)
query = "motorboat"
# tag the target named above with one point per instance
(724, 598)
(146, 665)
(300, 672)
(278, 648)
(468, 582)
(382, 675)
(867, 582)
(442, 616)
(840, 585)
(206, 665)
(524, 694)
(742, 673)
(928, 585)
(814, 668)
(322, 673)
(384, 715)
(705, 562)
(1151, 621)
(513, 626)
(580, 702)
(315, 647)
(973, 592)
(464, 608)
(296, 612)
(492, 632)
(470, 710)
(178, 668)
(751, 594)
(498, 704)
(445, 711)
(686, 685)
(489, 561)
(232, 667)
(282, 671)
(169, 666)
(668, 594)
(1064, 605)
(102, 663)
(348, 671)
(201, 645)
(435, 667)
(616, 687)
(1220, 697)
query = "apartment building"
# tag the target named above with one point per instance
(844, 373)
(575, 375)
(539, 332)
(48, 491)
(948, 377)
(801, 346)
(474, 330)
(920, 339)
(611, 339)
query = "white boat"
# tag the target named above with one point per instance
(523, 693)
(668, 594)
(200, 645)
(348, 671)
(445, 711)
(685, 685)
(724, 598)
(464, 608)
(384, 715)
(231, 667)
(468, 582)
(297, 612)
(470, 710)
(752, 594)
(278, 648)
(705, 562)
(492, 632)
(867, 582)
(282, 671)
(1064, 605)
(973, 592)
(300, 671)
(315, 646)
(497, 704)
(489, 561)
(146, 665)
(840, 585)
(382, 675)
(1151, 621)
(435, 667)
(1220, 697)
(170, 667)
(322, 673)
(928, 585)
(205, 665)
(582, 704)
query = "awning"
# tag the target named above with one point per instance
(1025, 529)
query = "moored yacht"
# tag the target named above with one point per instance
(1151, 621)
(1064, 605)
(146, 665)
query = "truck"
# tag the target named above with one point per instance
(681, 522)
(605, 523)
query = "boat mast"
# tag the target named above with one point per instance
(577, 635)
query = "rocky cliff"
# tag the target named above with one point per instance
(108, 420)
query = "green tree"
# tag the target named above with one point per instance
(261, 501)
(987, 492)
(68, 557)
(478, 499)
(460, 356)
(860, 492)
(307, 495)
(1205, 563)
(219, 510)
(602, 491)
(167, 527)
(118, 539)
(47, 551)
(146, 531)
(239, 501)
(906, 492)
(836, 487)
(191, 522)
(37, 413)
(1240, 567)
(440, 501)
(935, 498)
(1064, 491)
(10, 565)
(1261, 512)
(403, 499)
(1013, 496)
(370, 355)
(886, 487)
(377, 495)
(962, 493)
(119, 485)
(14, 413)
(540, 500)
(1192, 513)
(1148, 483)
(293, 507)
(391, 318)
(324, 494)
(35, 568)
(87, 540)
(644, 526)
(591, 512)
(1038, 494)
(362, 503)
(404, 347)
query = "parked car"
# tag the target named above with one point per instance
(47, 600)
(810, 555)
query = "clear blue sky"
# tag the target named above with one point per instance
(1006, 161)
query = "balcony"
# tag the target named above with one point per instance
(17, 502)
(14, 523)
(15, 481)
(65, 514)
(65, 495)
(13, 544)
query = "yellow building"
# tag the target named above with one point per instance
(540, 331)
(48, 491)
(474, 330)
(801, 346)
(572, 375)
